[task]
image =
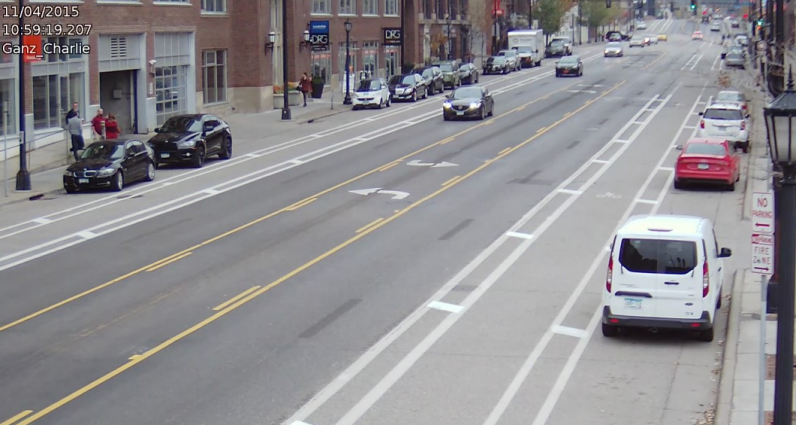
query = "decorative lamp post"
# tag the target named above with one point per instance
(450, 45)
(23, 175)
(779, 116)
(286, 115)
(348, 27)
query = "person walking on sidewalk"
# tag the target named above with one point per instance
(97, 123)
(111, 128)
(74, 112)
(305, 85)
(75, 127)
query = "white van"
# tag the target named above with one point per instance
(665, 271)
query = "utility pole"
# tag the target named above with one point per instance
(23, 176)
(402, 59)
(495, 30)
(286, 115)
(530, 14)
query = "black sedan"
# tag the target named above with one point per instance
(408, 87)
(110, 164)
(468, 102)
(468, 73)
(191, 139)
(496, 65)
(569, 65)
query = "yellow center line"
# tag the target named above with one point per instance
(238, 229)
(387, 167)
(655, 61)
(235, 298)
(369, 225)
(541, 130)
(173, 260)
(449, 181)
(138, 359)
(504, 150)
(17, 417)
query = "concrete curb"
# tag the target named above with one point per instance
(35, 195)
(729, 356)
(327, 114)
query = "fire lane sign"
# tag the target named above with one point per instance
(763, 212)
(763, 253)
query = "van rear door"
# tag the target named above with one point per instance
(679, 292)
(634, 278)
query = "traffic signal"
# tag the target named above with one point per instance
(607, 4)
(760, 22)
(745, 16)
(693, 4)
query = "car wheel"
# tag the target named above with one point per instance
(445, 117)
(70, 189)
(414, 96)
(483, 114)
(381, 103)
(678, 185)
(706, 335)
(491, 111)
(226, 149)
(389, 101)
(731, 187)
(118, 181)
(199, 158)
(150, 172)
(610, 331)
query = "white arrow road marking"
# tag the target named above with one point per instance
(397, 194)
(419, 163)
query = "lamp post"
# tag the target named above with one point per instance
(348, 26)
(495, 30)
(779, 116)
(286, 116)
(530, 14)
(23, 176)
(402, 59)
(450, 45)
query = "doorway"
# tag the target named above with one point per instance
(118, 97)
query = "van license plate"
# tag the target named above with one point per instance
(703, 166)
(633, 303)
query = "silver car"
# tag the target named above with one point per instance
(637, 41)
(734, 60)
(614, 49)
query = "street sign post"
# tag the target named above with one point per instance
(763, 233)
(763, 212)
(763, 253)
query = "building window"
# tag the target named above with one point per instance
(392, 62)
(170, 1)
(53, 95)
(214, 6)
(7, 96)
(174, 62)
(352, 57)
(370, 7)
(322, 65)
(321, 7)
(439, 10)
(370, 58)
(427, 9)
(214, 72)
(391, 7)
(346, 7)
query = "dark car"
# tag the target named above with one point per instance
(570, 65)
(408, 87)
(191, 139)
(468, 73)
(497, 65)
(468, 102)
(450, 74)
(433, 77)
(110, 164)
(616, 36)
(556, 48)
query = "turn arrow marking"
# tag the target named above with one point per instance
(419, 163)
(396, 193)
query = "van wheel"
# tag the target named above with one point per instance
(610, 331)
(731, 187)
(718, 301)
(706, 335)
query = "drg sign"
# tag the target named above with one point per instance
(319, 35)
(392, 36)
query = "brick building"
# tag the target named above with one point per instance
(152, 59)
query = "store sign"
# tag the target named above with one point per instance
(392, 36)
(319, 35)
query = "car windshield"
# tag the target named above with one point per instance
(613, 45)
(467, 93)
(103, 151)
(369, 85)
(723, 114)
(524, 49)
(181, 124)
(705, 149)
(658, 256)
(506, 53)
(402, 79)
(556, 43)
(571, 60)
(728, 96)
(428, 73)
(637, 37)
(465, 67)
(446, 67)
(498, 59)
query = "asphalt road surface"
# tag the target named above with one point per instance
(429, 272)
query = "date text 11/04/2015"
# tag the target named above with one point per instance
(46, 48)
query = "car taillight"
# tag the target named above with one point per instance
(705, 279)
(743, 125)
(701, 123)
(743, 106)
(609, 276)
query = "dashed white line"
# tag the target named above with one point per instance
(569, 191)
(599, 161)
(647, 201)
(623, 142)
(450, 308)
(519, 235)
(85, 234)
(211, 191)
(666, 168)
(690, 127)
(566, 330)
(42, 220)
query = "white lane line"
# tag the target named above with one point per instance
(42, 220)
(638, 123)
(690, 127)
(211, 191)
(252, 155)
(569, 368)
(299, 162)
(566, 330)
(666, 168)
(519, 235)
(336, 385)
(569, 191)
(599, 161)
(450, 308)
(715, 61)
(85, 234)
(378, 391)
(647, 201)
(620, 141)
(696, 62)
(299, 423)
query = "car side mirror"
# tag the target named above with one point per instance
(157, 129)
(725, 252)
(208, 127)
(747, 115)
(679, 147)
(701, 114)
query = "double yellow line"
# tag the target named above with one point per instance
(255, 292)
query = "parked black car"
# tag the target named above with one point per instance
(468, 102)
(468, 73)
(616, 36)
(433, 77)
(409, 86)
(570, 65)
(497, 65)
(450, 74)
(110, 164)
(556, 48)
(191, 139)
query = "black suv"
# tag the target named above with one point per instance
(433, 77)
(497, 65)
(556, 48)
(191, 139)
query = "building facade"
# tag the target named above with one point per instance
(153, 59)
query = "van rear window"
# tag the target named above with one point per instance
(658, 256)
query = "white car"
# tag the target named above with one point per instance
(372, 92)
(613, 49)
(732, 96)
(637, 41)
(653, 39)
(641, 25)
(664, 271)
(727, 121)
(715, 26)
(697, 35)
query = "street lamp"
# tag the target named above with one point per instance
(779, 116)
(305, 40)
(348, 26)
(449, 47)
(23, 175)
(286, 116)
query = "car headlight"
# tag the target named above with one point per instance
(446, 105)
(105, 172)
(606, 52)
(186, 144)
(68, 173)
(475, 105)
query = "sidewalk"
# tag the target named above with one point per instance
(739, 387)
(47, 163)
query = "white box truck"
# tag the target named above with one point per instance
(529, 45)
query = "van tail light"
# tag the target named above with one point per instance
(705, 279)
(701, 123)
(743, 125)
(609, 276)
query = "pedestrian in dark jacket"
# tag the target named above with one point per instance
(74, 112)
(305, 85)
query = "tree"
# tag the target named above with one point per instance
(595, 14)
(480, 28)
(550, 13)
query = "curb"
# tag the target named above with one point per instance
(324, 115)
(34, 196)
(729, 360)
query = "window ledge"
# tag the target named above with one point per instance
(391, 15)
(119, 3)
(214, 14)
(59, 1)
(320, 14)
(223, 102)
(169, 3)
(371, 15)
(348, 14)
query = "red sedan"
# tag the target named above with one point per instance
(710, 161)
